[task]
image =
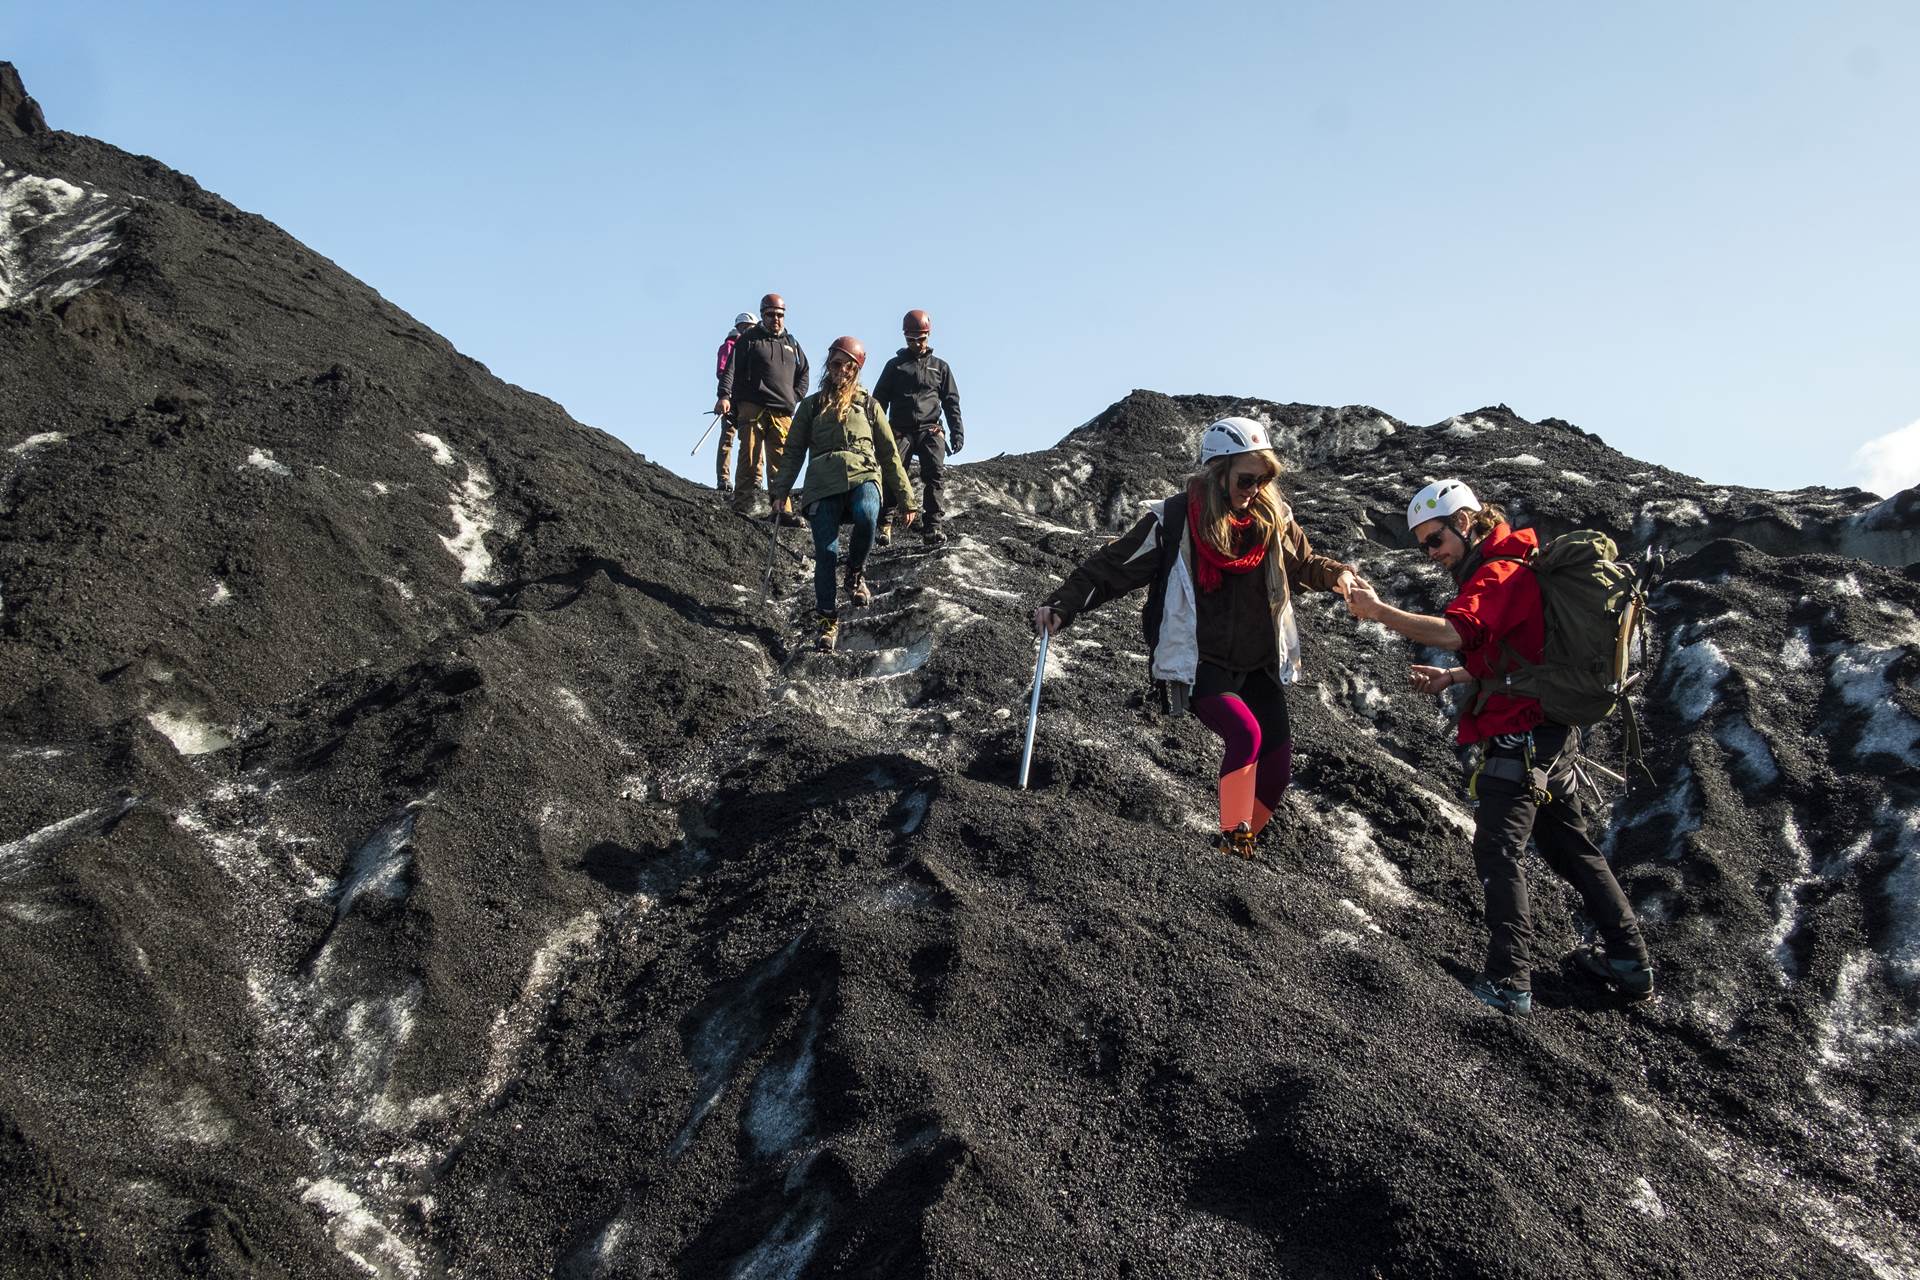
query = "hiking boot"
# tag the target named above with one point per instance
(1632, 978)
(1505, 997)
(857, 589)
(725, 493)
(883, 534)
(932, 536)
(827, 632)
(1238, 841)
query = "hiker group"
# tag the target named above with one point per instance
(1221, 561)
(855, 444)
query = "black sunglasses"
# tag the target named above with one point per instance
(1433, 540)
(1250, 481)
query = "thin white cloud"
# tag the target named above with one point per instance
(1891, 463)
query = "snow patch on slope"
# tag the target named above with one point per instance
(56, 239)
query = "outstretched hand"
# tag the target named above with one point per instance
(1430, 679)
(1347, 581)
(1361, 601)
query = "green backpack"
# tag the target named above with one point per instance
(1594, 603)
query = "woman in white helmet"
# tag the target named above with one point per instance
(1221, 559)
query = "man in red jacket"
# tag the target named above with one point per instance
(1523, 786)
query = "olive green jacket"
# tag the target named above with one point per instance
(844, 453)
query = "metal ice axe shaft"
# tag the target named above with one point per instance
(1033, 708)
(773, 549)
(704, 434)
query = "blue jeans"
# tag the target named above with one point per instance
(863, 503)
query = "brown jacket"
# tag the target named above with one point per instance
(1246, 625)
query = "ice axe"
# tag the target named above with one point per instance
(773, 549)
(1033, 707)
(704, 434)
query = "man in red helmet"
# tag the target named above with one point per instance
(760, 386)
(848, 448)
(914, 388)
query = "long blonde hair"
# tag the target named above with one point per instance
(842, 400)
(1212, 481)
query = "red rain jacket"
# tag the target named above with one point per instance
(1498, 609)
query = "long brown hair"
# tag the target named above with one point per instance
(1212, 481)
(1481, 523)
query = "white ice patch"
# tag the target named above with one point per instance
(1353, 841)
(1754, 761)
(39, 441)
(1355, 909)
(1522, 460)
(780, 1107)
(514, 1026)
(1679, 512)
(1697, 669)
(189, 735)
(1577, 478)
(262, 460)
(1865, 682)
(1850, 586)
(14, 854)
(472, 506)
(220, 593)
(573, 705)
(442, 456)
(1903, 900)
(1851, 1027)
(1646, 1200)
(380, 862)
(1797, 653)
(56, 239)
(358, 1235)
(1786, 902)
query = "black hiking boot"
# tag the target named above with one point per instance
(826, 632)
(857, 589)
(1505, 997)
(1632, 978)
(933, 536)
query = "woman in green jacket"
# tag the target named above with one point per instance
(843, 436)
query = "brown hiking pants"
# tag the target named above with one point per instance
(763, 440)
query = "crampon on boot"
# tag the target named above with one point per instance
(857, 589)
(1238, 841)
(826, 632)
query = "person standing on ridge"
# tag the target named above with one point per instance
(843, 437)
(1523, 786)
(914, 387)
(741, 323)
(767, 376)
(1222, 560)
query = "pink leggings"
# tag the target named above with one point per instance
(1257, 740)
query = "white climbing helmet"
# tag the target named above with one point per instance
(1230, 436)
(745, 317)
(1438, 501)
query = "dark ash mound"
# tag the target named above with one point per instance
(424, 855)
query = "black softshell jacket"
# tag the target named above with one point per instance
(765, 370)
(914, 389)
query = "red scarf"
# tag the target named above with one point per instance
(1211, 563)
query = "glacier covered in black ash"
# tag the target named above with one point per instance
(422, 853)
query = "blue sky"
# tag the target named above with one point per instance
(1692, 228)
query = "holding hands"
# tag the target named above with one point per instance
(1362, 603)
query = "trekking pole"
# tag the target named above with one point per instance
(773, 548)
(1033, 708)
(704, 434)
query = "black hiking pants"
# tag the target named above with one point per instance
(929, 445)
(1507, 814)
